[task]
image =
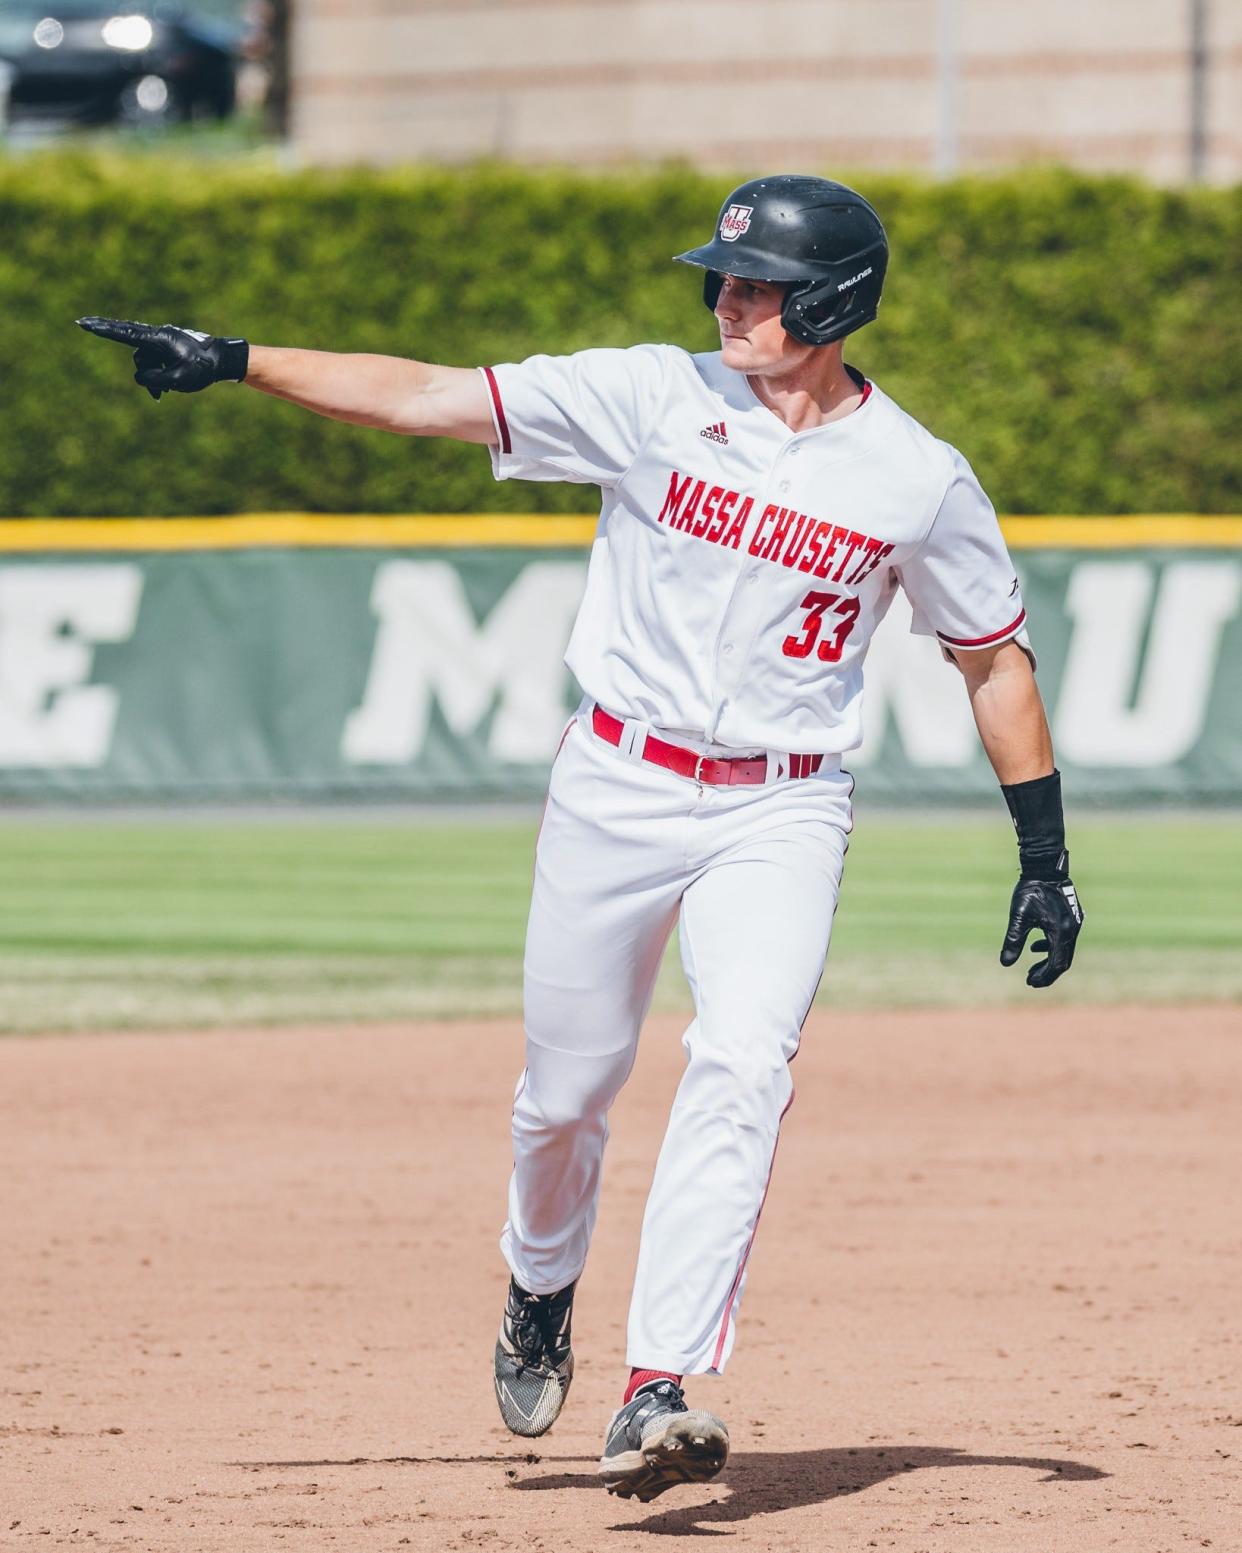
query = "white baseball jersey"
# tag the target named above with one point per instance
(740, 568)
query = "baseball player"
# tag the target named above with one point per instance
(761, 505)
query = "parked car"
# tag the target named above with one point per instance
(91, 62)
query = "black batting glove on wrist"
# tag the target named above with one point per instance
(1044, 898)
(1051, 908)
(167, 357)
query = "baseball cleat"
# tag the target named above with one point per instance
(534, 1362)
(655, 1442)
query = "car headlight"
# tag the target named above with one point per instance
(131, 33)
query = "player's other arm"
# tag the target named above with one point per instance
(391, 393)
(1009, 711)
(1009, 714)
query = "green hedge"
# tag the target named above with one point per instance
(1078, 338)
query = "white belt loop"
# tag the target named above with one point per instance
(778, 767)
(633, 740)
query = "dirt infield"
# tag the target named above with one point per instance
(249, 1287)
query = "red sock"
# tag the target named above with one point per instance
(643, 1377)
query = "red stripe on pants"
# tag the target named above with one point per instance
(741, 1266)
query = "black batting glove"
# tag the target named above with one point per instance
(1051, 908)
(1044, 899)
(167, 357)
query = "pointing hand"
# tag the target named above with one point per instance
(167, 357)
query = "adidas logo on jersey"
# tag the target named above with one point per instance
(716, 433)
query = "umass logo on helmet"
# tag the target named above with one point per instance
(734, 222)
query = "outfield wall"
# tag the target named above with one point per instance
(347, 658)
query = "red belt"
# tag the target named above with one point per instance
(702, 768)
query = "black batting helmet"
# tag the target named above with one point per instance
(819, 238)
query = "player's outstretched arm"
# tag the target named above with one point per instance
(413, 398)
(1009, 714)
(391, 393)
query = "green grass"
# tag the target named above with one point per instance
(107, 924)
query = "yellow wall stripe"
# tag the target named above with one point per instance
(1136, 531)
(301, 530)
(295, 530)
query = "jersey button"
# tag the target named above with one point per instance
(784, 487)
(727, 648)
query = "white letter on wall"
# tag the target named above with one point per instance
(906, 676)
(1103, 717)
(429, 644)
(51, 617)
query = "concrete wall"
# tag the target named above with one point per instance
(746, 84)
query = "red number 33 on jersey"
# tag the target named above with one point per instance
(817, 605)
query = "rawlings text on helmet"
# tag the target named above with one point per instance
(854, 279)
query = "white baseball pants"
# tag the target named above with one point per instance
(754, 872)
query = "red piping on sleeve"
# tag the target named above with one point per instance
(502, 425)
(984, 641)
